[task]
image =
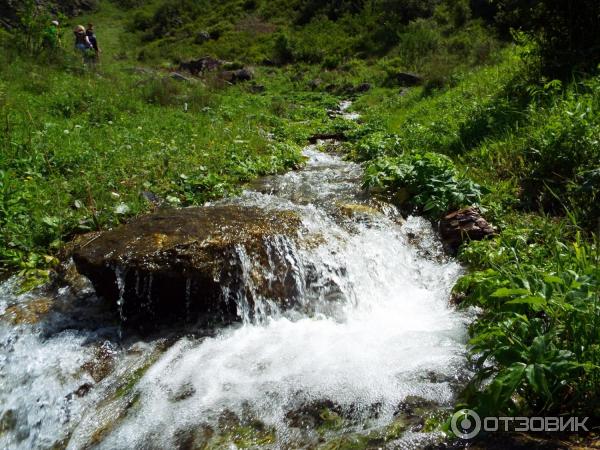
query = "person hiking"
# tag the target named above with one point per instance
(82, 42)
(91, 35)
(51, 36)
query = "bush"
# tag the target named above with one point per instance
(427, 181)
(536, 346)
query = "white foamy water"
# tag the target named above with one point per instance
(370, 327)
(380, 328)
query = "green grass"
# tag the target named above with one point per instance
(80, 147)
(530, 145)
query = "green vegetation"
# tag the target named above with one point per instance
(508, 125)
(427, 180)
(533, 148)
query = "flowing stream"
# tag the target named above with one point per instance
(372, 333)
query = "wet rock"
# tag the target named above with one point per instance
(83, 390)
(197, 66)
(326, 137)
(408, 79)
(8, 421)
(316, 414)
(194, 438)
(194, 262)
(464, 225)
(357, 210)
(413, 404)
(27, 313)
(102, 364)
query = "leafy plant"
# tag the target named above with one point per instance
(428, 181)
(536, 347)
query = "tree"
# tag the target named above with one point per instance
(566, 31)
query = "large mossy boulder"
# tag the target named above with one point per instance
(195, 263)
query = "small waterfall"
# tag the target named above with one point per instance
(368, 325)
(265, 283)
(120, 276)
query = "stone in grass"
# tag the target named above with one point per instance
(237, 76)
(466, 224)
(408, 79)
(173, 264)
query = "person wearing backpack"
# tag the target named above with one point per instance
(82, 42)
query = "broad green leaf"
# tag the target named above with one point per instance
(553, 279)
(507, 292)
(533, 301)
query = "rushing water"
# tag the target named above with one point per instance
(372, 327)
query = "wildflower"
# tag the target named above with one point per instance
(173, 200)
(66, 131)
(122, 208)
(110, 122)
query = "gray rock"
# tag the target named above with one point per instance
(237, 76)
(408, 79)
(205, 64)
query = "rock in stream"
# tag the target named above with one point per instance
(195, 263)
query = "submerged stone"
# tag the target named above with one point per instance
(198, 263)
(29, 312)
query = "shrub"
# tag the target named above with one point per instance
(427, 181)
(162, 91)
(536, 347)
(566, 32)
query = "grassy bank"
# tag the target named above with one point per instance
(527, 154)
(84, 150)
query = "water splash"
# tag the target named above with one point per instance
(371, 327)
(374, 351)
